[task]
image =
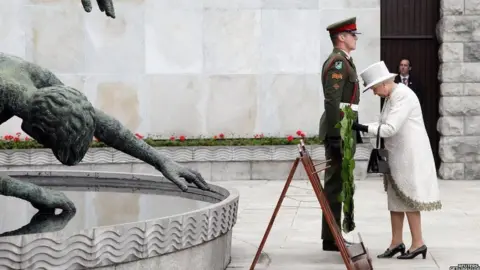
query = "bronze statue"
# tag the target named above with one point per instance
(104, 6)
(62, 119)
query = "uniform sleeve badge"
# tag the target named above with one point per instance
(338, 65)
(337, 76)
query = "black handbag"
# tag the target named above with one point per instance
(378, 162)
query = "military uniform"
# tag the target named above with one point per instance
(340, 88)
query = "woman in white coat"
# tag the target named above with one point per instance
(412, 184)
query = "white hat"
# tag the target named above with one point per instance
(375, 74)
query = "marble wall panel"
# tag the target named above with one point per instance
(233, 4)
(290, 41)
(231, 41)
(291, 4)
(13, 21)
(288, 103)
(177, 4)
(232, 104)
(50, 2)
(54, 45)
(116, 46)
(344, 6)
(177, 105)
(123, 97)
(173, 41)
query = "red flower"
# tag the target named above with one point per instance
(299, 132)
(258, 136)
(172, 138)
(290, 138)
(16, 139)
(138, 136)
(27, 138)
(221, 136)
(303, 135)
(215, 137)
(182, 138)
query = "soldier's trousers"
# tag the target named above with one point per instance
(332, 189)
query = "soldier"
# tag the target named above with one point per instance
(340, 88)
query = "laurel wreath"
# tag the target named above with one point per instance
(348, 165)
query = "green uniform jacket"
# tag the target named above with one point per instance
(339, 77)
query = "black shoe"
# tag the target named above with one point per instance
(330, 245)
(412, 254)
(389, 253)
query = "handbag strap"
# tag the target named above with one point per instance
(378, 136)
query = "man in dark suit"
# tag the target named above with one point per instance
(406, 78)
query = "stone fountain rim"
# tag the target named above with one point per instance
(57, 180)
(204, 224)
(192, 193)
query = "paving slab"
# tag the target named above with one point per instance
(451, 234)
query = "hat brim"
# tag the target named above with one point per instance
(379, 80)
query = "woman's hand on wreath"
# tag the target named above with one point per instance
(359, 127)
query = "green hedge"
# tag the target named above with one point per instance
(32, 144)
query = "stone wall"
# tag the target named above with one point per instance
(459, 74)
(237, 67)
(215, 163)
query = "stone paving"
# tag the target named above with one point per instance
(451, 234)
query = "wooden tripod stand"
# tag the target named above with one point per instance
(356, 256)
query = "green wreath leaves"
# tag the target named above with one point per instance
(348, 165)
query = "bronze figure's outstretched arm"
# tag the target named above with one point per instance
(45, 200)
(110, 131)
(104, 6)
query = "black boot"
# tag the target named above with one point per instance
(412, 254)
(331, 245)
(389, 253)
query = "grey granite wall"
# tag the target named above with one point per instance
(459, 74)
(239, 67)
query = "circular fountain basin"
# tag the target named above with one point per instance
(123, 221)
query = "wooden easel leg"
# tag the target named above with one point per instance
(317, 188)
(275, 212)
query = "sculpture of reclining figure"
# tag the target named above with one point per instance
(62, 119)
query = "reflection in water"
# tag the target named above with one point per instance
(43, 223)
(128, 203)
(94, 209)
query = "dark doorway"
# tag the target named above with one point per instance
(408, 31)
